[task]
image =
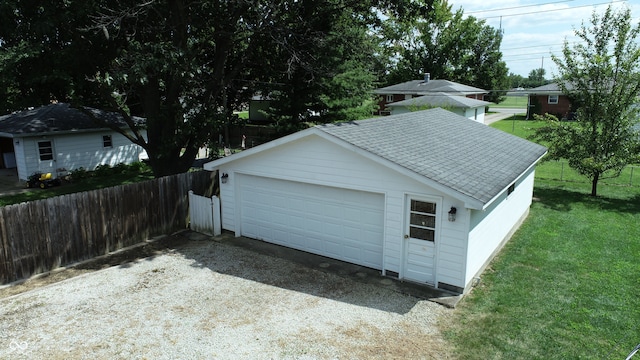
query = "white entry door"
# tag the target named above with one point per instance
(420, 240)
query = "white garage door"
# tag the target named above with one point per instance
(333, 222)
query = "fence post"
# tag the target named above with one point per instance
(217, 225)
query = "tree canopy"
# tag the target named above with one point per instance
(186, 65)
(601, 75)
(450, 46)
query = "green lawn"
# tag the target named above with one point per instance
(93, 180)
(567, 285)
(514, 102)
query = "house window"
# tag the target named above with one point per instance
(106, 141)
(511, 189)
(45, 150)
(389, 98)
(553, 99)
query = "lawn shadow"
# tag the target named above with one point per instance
(563, 199)
(300, 271)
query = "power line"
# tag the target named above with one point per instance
(535, 46)
(551, 10)
(518, 7)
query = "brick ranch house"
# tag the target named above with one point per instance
(549, 99)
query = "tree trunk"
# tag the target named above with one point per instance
(594, 184)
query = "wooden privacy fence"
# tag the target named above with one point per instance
(41, 235)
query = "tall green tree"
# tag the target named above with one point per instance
(449, 46)
(184, 64)
(43, 55)
(536, 78)
(600, 73)
(330, 77)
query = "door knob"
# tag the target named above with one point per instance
(406, 236)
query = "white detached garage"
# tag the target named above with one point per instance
(379, 193)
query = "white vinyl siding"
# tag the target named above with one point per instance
(489, 228)
(73, 151)
(314, 160)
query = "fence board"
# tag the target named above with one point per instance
(41, 235)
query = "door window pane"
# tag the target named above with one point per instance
(422, 234)
(423, 220)
(423, 207)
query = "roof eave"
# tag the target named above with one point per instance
(486, 205)
(469, 201)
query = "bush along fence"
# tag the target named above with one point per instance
(38, 236)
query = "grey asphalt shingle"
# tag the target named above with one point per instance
(56, 118)
(432, 86)
(468, 157)
(441, 99)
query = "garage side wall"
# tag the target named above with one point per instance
(315, 160)
(491, 228)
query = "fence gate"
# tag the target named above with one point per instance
(205, 214)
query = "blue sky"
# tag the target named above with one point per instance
(533, 30)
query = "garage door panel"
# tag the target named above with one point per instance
(339, 223)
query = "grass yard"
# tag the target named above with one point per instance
(567, 285)
(93, 180)
(513, 101)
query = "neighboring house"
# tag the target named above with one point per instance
(57, 138)
(549, 99)
(258, 105)
(428, 196)
(427, 86)
(470, 108)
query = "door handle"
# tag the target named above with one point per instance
(406, 236)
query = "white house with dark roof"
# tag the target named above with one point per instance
(427, 86)
(57, 139)
(428, 196)
(470, 108)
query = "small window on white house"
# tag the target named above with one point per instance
(511, 189)
(106, 141)
(45, 150)
(553, 99)
(389, 98)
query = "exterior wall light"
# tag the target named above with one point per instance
(452, 213)
(224, 178)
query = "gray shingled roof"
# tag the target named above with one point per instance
(468, 157)
(55, 118)
(441, 99)
(552, 88)
(431, 86)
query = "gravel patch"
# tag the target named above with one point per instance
(209, 300)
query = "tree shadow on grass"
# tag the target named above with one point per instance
(564, 199)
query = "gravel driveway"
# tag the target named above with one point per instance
(211, 300)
